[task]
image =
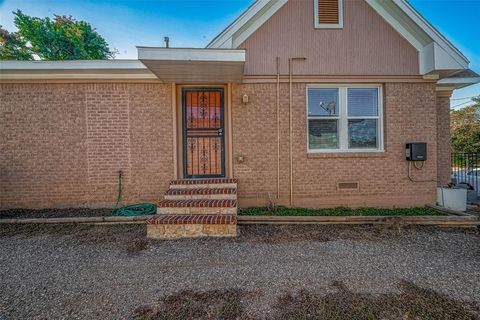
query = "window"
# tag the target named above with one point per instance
(344, 118)
(328, 13)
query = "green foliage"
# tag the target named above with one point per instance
(61, 38)
(13, 47)
(340, 211)
(465, 128)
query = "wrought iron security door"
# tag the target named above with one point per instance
(203, 133)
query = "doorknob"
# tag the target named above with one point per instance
(220, 132)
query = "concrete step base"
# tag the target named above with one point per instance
(170, 227)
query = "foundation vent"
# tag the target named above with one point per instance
(347, 186)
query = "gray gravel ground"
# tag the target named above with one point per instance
(475, 210)
(108, 272)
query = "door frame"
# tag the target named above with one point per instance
(179, 172)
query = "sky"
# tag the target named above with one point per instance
(193, 23)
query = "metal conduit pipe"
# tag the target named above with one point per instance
(278, 128)
(290, 72)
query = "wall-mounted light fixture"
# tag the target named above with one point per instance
(245, 98)
(240, 158)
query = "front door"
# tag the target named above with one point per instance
(203, 133)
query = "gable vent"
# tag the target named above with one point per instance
(347, 186)
(328, 11)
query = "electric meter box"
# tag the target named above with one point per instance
(416, 151)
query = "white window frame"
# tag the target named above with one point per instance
(343, 118)
(316, 18)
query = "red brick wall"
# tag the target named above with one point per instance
(63, 144)
(443, 137)
(410, 115)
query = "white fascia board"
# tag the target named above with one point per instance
(455, 81)
(224, 39)
(254, 24)
(435, 58)
(188, 54)
(427, 58)
(77, 76)
(439, 54)
(72, 65)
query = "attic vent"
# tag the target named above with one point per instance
(347, 186)
(328, 13)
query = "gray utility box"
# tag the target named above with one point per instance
(416, 151)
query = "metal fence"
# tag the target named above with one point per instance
(466, 170)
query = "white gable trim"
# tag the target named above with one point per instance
(431, 31)
(436, 53)
(248, 29)
(397, 25)
(246, 24)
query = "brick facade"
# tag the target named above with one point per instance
(409, 115)
(62, 145)
(443, 137)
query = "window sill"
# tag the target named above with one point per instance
(346, 154)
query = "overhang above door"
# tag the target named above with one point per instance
(185, 65)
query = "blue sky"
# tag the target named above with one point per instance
(125, 24)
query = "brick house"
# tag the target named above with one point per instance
(306, 103)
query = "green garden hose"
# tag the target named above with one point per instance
(141, 209)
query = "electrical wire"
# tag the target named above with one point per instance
(456, 99)
(421, 167)
(409, 171)
(461, 104)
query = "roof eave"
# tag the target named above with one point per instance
(194, 65)
(74, 70)
(458, 83)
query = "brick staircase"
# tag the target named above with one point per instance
(196, 208)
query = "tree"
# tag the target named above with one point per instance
(13, 47)
(465, 128)
(61, 38)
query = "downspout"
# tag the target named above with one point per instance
(278, 128)
(290, 138)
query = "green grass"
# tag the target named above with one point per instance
(339, 212)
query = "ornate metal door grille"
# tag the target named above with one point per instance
(203, 133)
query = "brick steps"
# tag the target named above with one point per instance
(172, 219)
(201, 193)
(196, 208)
(202, 206)
(203, 183)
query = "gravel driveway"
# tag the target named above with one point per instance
(112, 272)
